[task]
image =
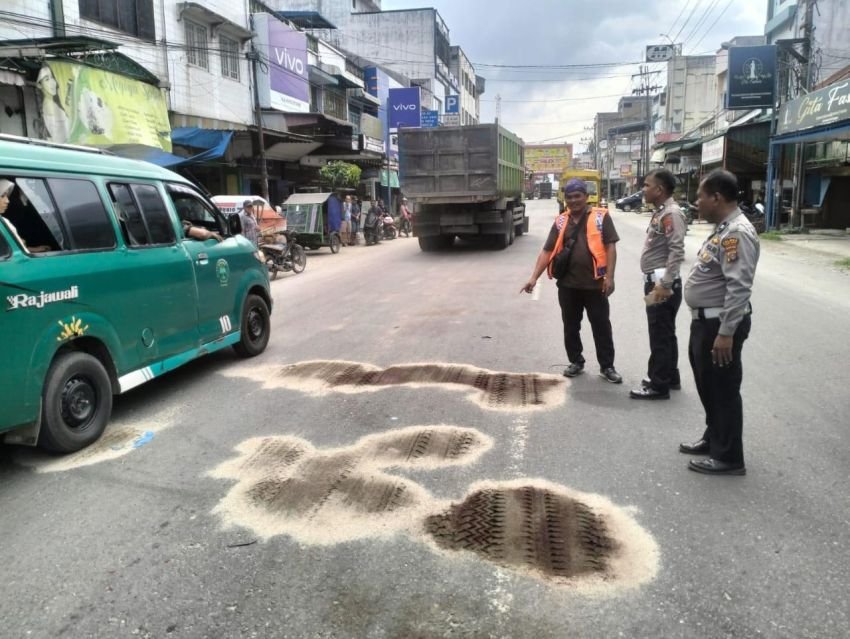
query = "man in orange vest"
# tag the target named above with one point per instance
(581, 255)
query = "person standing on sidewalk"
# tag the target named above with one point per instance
(581, 255)
(718, 292)
(660, 260)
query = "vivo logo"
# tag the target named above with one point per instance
(404, 107)
(288, 62)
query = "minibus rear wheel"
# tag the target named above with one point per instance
(76, 403)
(256, 327)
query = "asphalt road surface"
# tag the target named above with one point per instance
(380, 493)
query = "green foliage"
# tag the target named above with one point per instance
(340, 175)
(845, 263)
(771, 235)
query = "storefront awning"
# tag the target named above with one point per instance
(214, 145)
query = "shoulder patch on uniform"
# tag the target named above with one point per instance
(730, 247)
(668, 224)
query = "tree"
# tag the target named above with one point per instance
(339, 175)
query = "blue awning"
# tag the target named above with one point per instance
(211, 143)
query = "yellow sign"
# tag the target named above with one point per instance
(548, 158)
(84, 105)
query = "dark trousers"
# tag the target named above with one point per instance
(663, 368)
(719, 389)
(574, 301)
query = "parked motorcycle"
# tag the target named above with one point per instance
(285, 256)
(688, 210)
(755, 214)
(389, 230)
(373, 228)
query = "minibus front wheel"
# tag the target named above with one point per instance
(76, 403)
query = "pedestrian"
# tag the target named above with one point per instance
(660, 261)
(345, 228)
(250, 228)
(406, 223)
(718, 293)
(581, 255)
(355, 219)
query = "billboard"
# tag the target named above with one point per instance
(824, 106)
(84, 105)
(751, 77)
(548, 158)
(379, 83)
(404, 107)
(283, 81)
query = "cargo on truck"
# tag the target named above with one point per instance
(464, 181)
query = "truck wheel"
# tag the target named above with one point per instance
(255, 327)
(76, 403)
(513, 233)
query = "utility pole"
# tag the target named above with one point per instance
(645, 90)
(498, 108)
(254, 57)
(805, 86)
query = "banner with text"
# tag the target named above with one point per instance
(825, 106)
(404, 107)
(283, 81)
(548, 158)
(84, 105)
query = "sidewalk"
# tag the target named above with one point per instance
(833, 243)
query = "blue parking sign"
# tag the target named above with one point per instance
(452, 104)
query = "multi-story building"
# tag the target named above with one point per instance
(412, 42)
(618, 143)
(462, 69)
(690, 93)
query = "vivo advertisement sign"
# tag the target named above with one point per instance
(285, 85)
(404, 107)
(378, 83)
(751, 77)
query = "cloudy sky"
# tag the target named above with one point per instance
(555, 105)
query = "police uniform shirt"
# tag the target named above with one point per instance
(665, 242)
(722, 276)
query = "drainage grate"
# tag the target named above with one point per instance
(496, 389)
(528, 527)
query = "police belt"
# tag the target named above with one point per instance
(649, 278)
(712, 312)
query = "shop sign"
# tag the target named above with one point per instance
(819, 108)
(404, 107)
(548, 158)
(751, 78)
(430, 119)
(372, 144)
(283, 82)
(84, 105)
(712, 151)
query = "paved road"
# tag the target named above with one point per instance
(215, 507)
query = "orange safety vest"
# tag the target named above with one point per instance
(595, 220)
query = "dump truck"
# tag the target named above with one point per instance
(591, 177)
(545, 190)
(464, 181)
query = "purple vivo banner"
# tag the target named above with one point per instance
(290, 88)
(403, 107)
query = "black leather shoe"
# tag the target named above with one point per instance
(699, 447)
(573, 369)
(610, 374)
(647, 392)
(715, 467)
(646, 383)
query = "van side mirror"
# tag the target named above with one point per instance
(234, 224)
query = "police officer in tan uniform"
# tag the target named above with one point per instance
(660, 261)
(718, 293)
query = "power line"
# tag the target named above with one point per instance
(716, 20)
(685, 23)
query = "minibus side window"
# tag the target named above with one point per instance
(32, 211)
(156, 215)
(129, 217)
(83, 213)
(5, 251)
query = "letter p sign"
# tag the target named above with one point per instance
(452, 104)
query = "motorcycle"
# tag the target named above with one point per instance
(688, 210)
(373, 228)
(755, 214)
(286, 256)
(389, 230)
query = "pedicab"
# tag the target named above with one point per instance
(316, 217)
